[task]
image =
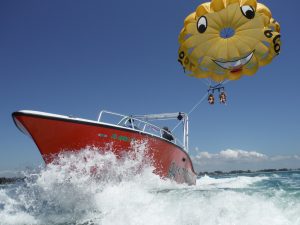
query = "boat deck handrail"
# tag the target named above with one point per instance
(140, 125)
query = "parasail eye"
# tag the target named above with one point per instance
(202, 24)
(248, 11)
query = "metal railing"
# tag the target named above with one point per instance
(137, 124)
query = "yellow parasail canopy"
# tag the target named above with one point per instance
(226, 39)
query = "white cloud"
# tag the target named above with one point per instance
(297, 157)
(285, 157)
(204, 155)
(235, 159)
(230, 154)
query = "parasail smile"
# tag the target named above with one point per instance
(236, 65)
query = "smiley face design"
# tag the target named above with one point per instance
(226, 39)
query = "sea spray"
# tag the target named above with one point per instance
(91, 187)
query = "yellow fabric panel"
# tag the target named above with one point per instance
(191, 28)
(190, 18)
(275, 24)
(261, 50)
(223, 15)
(193, 41)
(241, 21)
(217, 78)
(233, 14)
(201, 49)
(234, 76)
(231, 2)
(249, 41)
(234, 43)
(252, 3)
(238, 18)
(203, 9)
(266, 60)
(262, 9)
(233, 50)
(213, 23)
(217, 5)
(216, 48)
(222, 52)
(252, 70)
(182, 35)
(200, 74)
(256, 23)
(215, 17)
(241, 46)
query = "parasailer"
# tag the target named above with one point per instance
(211, 99)
(222, 97)
(227, 39)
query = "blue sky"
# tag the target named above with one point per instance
(78, 57)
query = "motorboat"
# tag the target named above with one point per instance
(53, 134)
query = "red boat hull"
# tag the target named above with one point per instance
(53, 135)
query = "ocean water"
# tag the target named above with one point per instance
(92, 188)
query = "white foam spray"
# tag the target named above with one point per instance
(98, 188)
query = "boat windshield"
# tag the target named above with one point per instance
(142, 123)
